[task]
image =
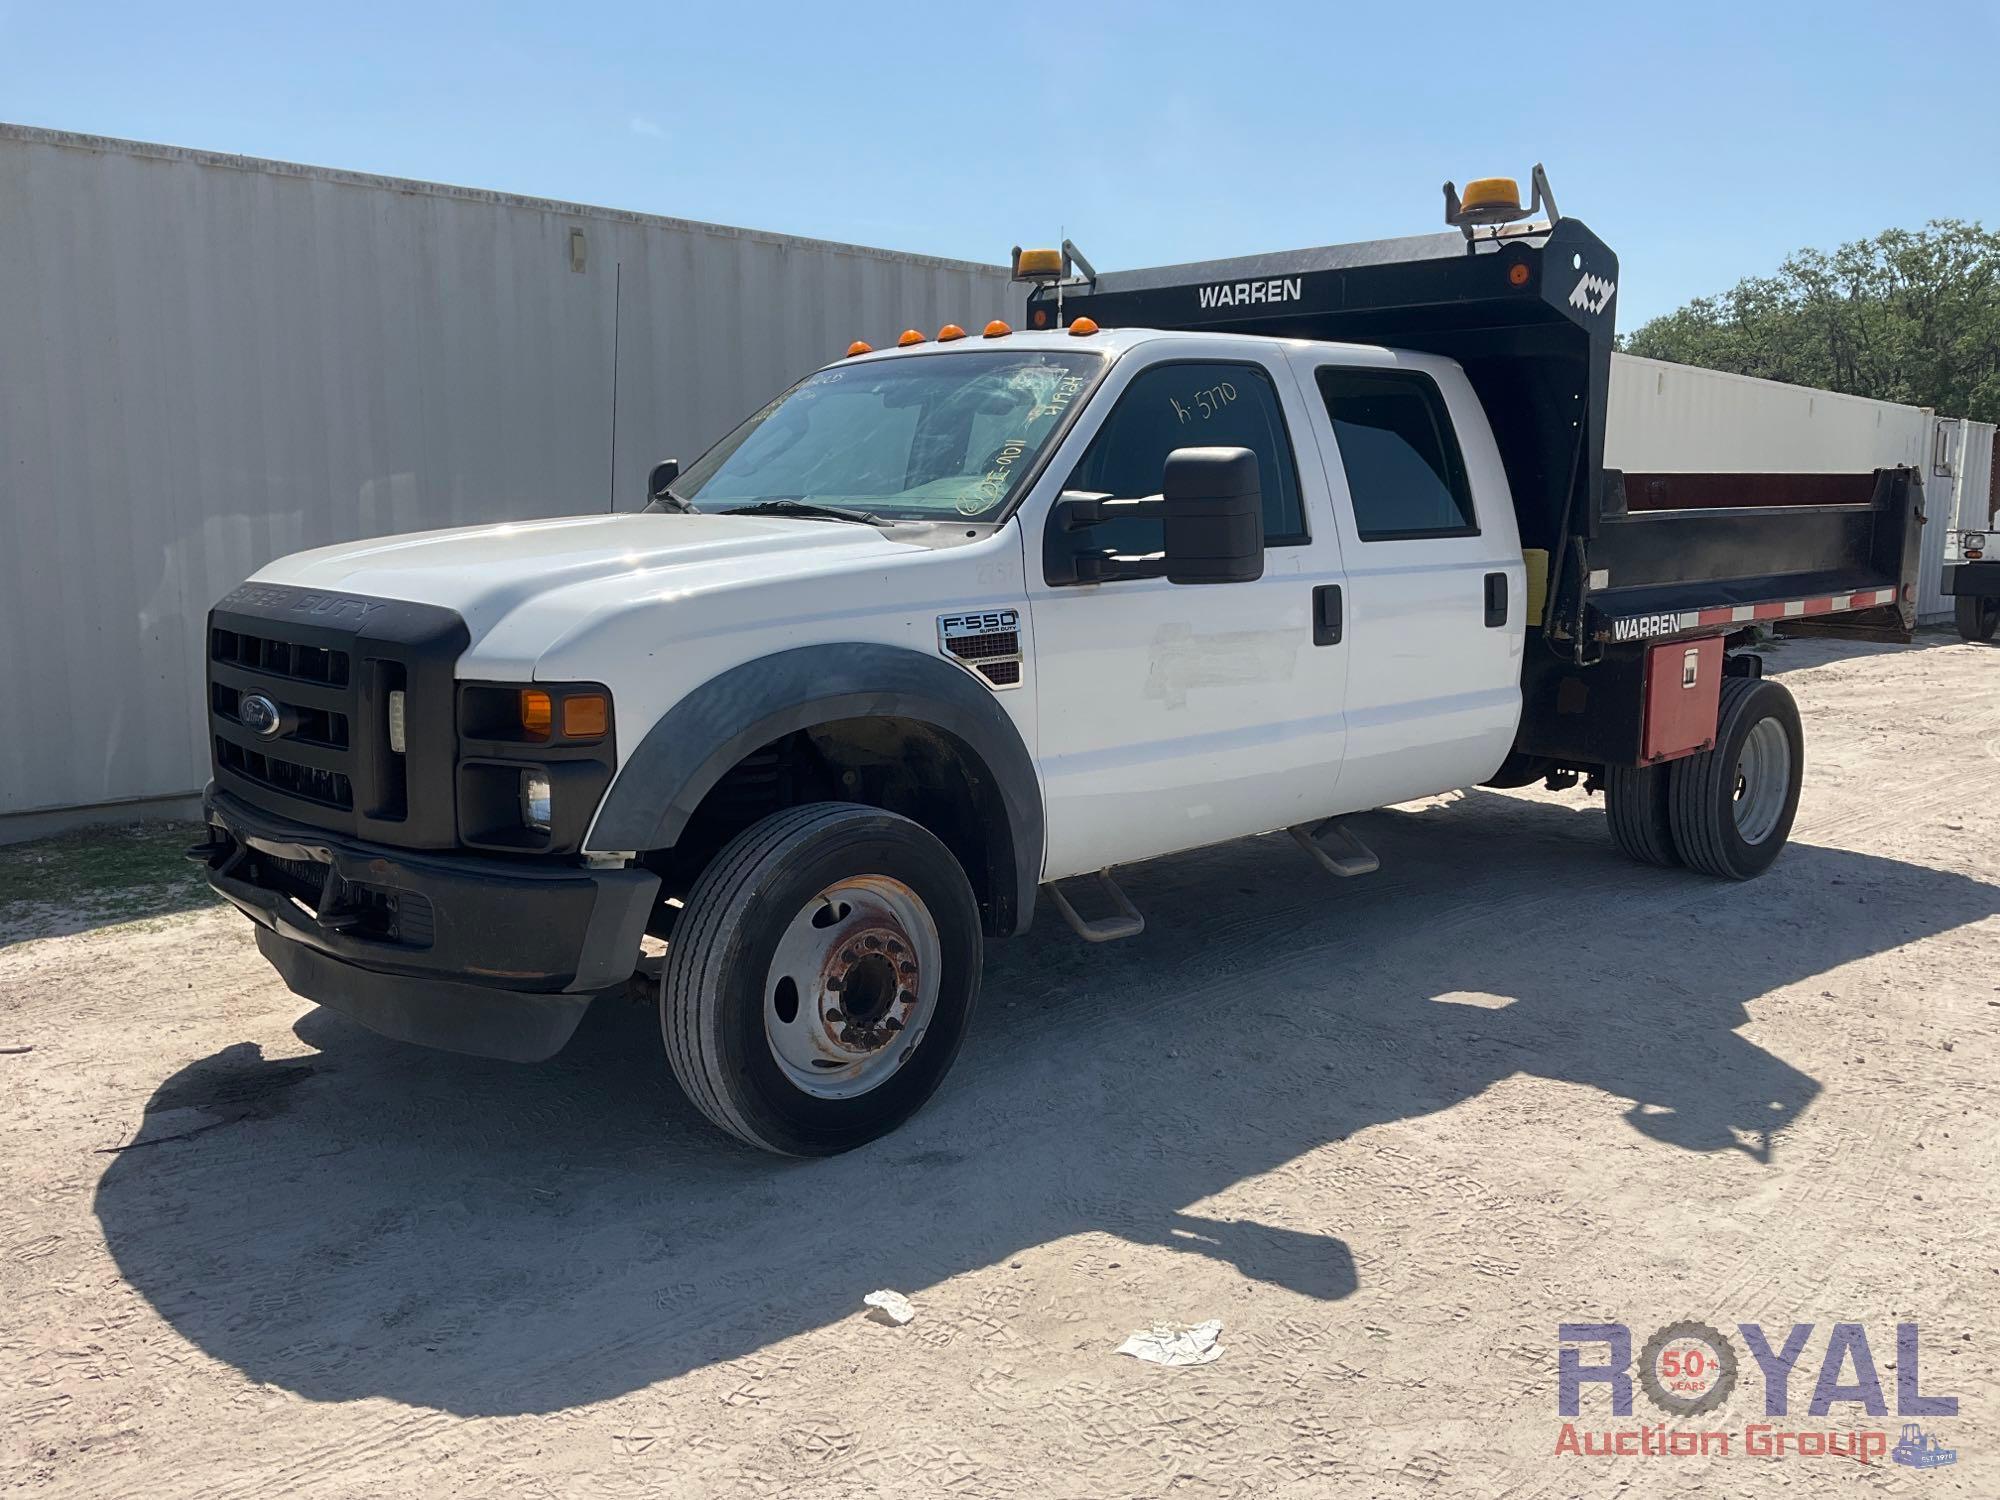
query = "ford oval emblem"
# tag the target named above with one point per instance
(259, 715)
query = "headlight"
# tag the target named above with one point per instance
(535, 799)
(1972, 543)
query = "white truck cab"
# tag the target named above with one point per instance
(954, 622)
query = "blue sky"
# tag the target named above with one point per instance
(1701, 141)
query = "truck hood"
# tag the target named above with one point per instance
(489, 571)
(564, 572)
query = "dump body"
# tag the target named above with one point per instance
(1613, 559)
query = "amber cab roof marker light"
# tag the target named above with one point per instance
(949, 332)
(908, 337)
(859, 347)
(995, 330)
(1083, 327)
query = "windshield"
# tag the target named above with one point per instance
(923, 438)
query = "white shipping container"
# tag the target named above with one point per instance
(208, 361)
(1675, 419)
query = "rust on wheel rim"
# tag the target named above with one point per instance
(852, 986)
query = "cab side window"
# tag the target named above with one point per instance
(1405, 475)
(1191, 405)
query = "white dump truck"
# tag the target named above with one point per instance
(1196, 553)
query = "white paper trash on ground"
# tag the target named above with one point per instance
(1171, 1344)
(890, 1307)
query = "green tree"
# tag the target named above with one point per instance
(1911, 316)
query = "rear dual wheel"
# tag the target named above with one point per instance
(821, 978)
(1726, 811)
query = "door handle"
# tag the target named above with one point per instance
(1326, 615)
(1496, 599)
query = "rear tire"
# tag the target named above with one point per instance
(1636, 804)
(1977, 617)
(821, 978)
(1732, 807)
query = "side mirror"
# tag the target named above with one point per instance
(1211, 513)
(665, 472)
(1214, 502)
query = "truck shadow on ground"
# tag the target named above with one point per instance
(378, 1220)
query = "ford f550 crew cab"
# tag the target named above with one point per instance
(1198, 553)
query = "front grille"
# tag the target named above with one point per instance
(315, 726)
(328, 788)
(328, 663)
(271, 657)
(310, 762)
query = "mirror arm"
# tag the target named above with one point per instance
(1084, 512)
(1114, 567)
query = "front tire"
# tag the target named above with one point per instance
(1976, 616)
(821, 978)
(1732, 806)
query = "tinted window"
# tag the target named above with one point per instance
(1404, 471)
(1191, 406)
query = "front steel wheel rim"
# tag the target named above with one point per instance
(1763, 780)
(852, 987)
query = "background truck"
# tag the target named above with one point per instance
(1972, 577)
(1204, 551)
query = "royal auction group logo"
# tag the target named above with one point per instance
(1690, 1370)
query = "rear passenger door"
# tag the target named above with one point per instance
(1170, 715)
(1435, 580)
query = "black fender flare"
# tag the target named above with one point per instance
(696, 741)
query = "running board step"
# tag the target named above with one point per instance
(1105, 929)
(1348, 856)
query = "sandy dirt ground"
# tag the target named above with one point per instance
(1392, 1132)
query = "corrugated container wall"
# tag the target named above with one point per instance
(209, 361)
(1667, 418)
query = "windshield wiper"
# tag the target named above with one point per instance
(792, 505)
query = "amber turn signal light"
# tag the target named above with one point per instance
(586, 716)
(537, 713)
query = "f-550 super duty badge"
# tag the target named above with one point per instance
(986, 642)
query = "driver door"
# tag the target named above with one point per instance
(1173, 716)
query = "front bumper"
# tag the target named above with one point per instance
(1973, 580)
(495, 957)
